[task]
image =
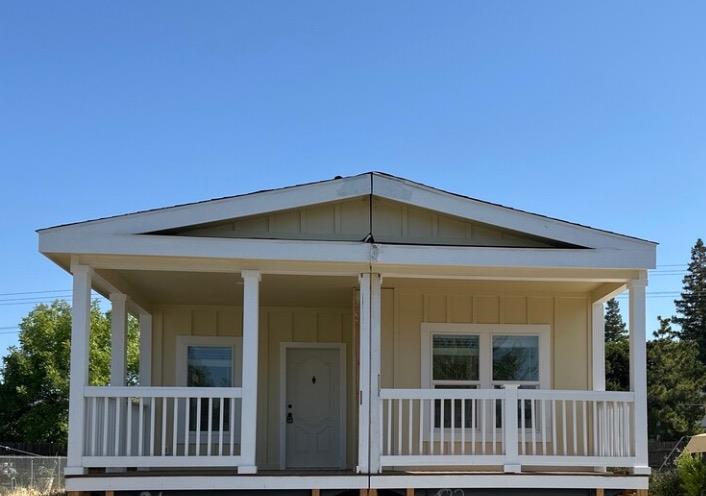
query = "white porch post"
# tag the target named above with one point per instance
(598, 342)
(364, 376)
(375, 345)
(638, 371)
(78, 376)
(118, 339)
(369, 404)
(510, 420)
(248, 426)
(145, 349)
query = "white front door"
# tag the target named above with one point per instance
(314, 437)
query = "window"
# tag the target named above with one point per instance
(483, 356)
(209, 361)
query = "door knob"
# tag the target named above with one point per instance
(290, 418)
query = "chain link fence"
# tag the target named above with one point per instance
(31, 475)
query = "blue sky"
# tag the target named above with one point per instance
(592, 112)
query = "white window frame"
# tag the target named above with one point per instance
(182, 346)
(485, 333)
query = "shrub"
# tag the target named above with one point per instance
(691, 470)
(665, 484)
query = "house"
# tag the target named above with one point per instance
(362, 333)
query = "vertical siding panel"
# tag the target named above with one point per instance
(228, 324)
(488, 310)
(279, 328)
(177, 322)
(411, 315)
(263, 369)
(305, 325)
(434, 308)
(387, 337)
(157, 347)
(570, 343)
(460, 308)
(513, 310)
(329, 326)
(204, 322)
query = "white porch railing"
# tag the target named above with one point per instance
(510, 427)
(161, 426)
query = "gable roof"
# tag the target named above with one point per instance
(376, 184)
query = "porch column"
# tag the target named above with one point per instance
(145, 349)
(78, 376)
(638, 371)
(369, 374)
(598, 342)
(248, 425)
(118, 339)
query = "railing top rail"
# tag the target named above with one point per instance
(162, 392)
(528, 394)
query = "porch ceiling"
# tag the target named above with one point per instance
(157, 287)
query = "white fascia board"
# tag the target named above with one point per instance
(203, 247)
(512, 257)
(340, 251)
(224, 209)
(400, 190)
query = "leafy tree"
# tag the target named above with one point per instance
(34, 387)
(615, 328)
(617, 349)
(675, 381)
(691, 307)
(691, 469)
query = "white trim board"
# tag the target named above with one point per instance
(283, 347)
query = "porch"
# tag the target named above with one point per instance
(397, 417)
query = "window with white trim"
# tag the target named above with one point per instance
(474, 356)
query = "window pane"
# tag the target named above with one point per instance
(209, 366)
(455, 358)
(516, 358)
(457, 408)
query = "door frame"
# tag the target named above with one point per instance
(283, 347)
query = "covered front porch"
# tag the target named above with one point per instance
(220, 350)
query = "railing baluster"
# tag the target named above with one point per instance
(141, 427)
(106, 411)
(453, 426)
(522, 425)
(187, 421)
(584, 428)
(164, 403)
(494, 423)
(390, 405)
(553, 403)
(233, 430)
(594, 423)
(432, 416)
(421, 427)
(118, 402)
(533, 426)
(410, 406)
(563, 427)
(152, 426)
(128, 428)
(399, 426)
(483, 414)
(473, 426)
(463, 426)
(209, 438)
(442, 425)
(543, 406)
(198, 426)
(94, 425)
(220, 428)
(574, 414)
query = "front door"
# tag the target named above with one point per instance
(314, 437)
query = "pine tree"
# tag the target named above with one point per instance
(675, 380)
(691, 307)
(617, 349)
(615, 329)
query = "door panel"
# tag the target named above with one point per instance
(313, 405)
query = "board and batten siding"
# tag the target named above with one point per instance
(277, 325)
(405, 308)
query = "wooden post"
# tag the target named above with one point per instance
(375, 345)
(364, 377)
(510, 429)
(600, 492)
(78, 377)
(118, 339)
(145, 349)
(638, 371)
(248, 426)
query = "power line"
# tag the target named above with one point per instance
(37, 292)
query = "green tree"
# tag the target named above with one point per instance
(691, 307)
(675, 381)
(34, 383)
(617, 349)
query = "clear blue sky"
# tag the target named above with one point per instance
(589, 111)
